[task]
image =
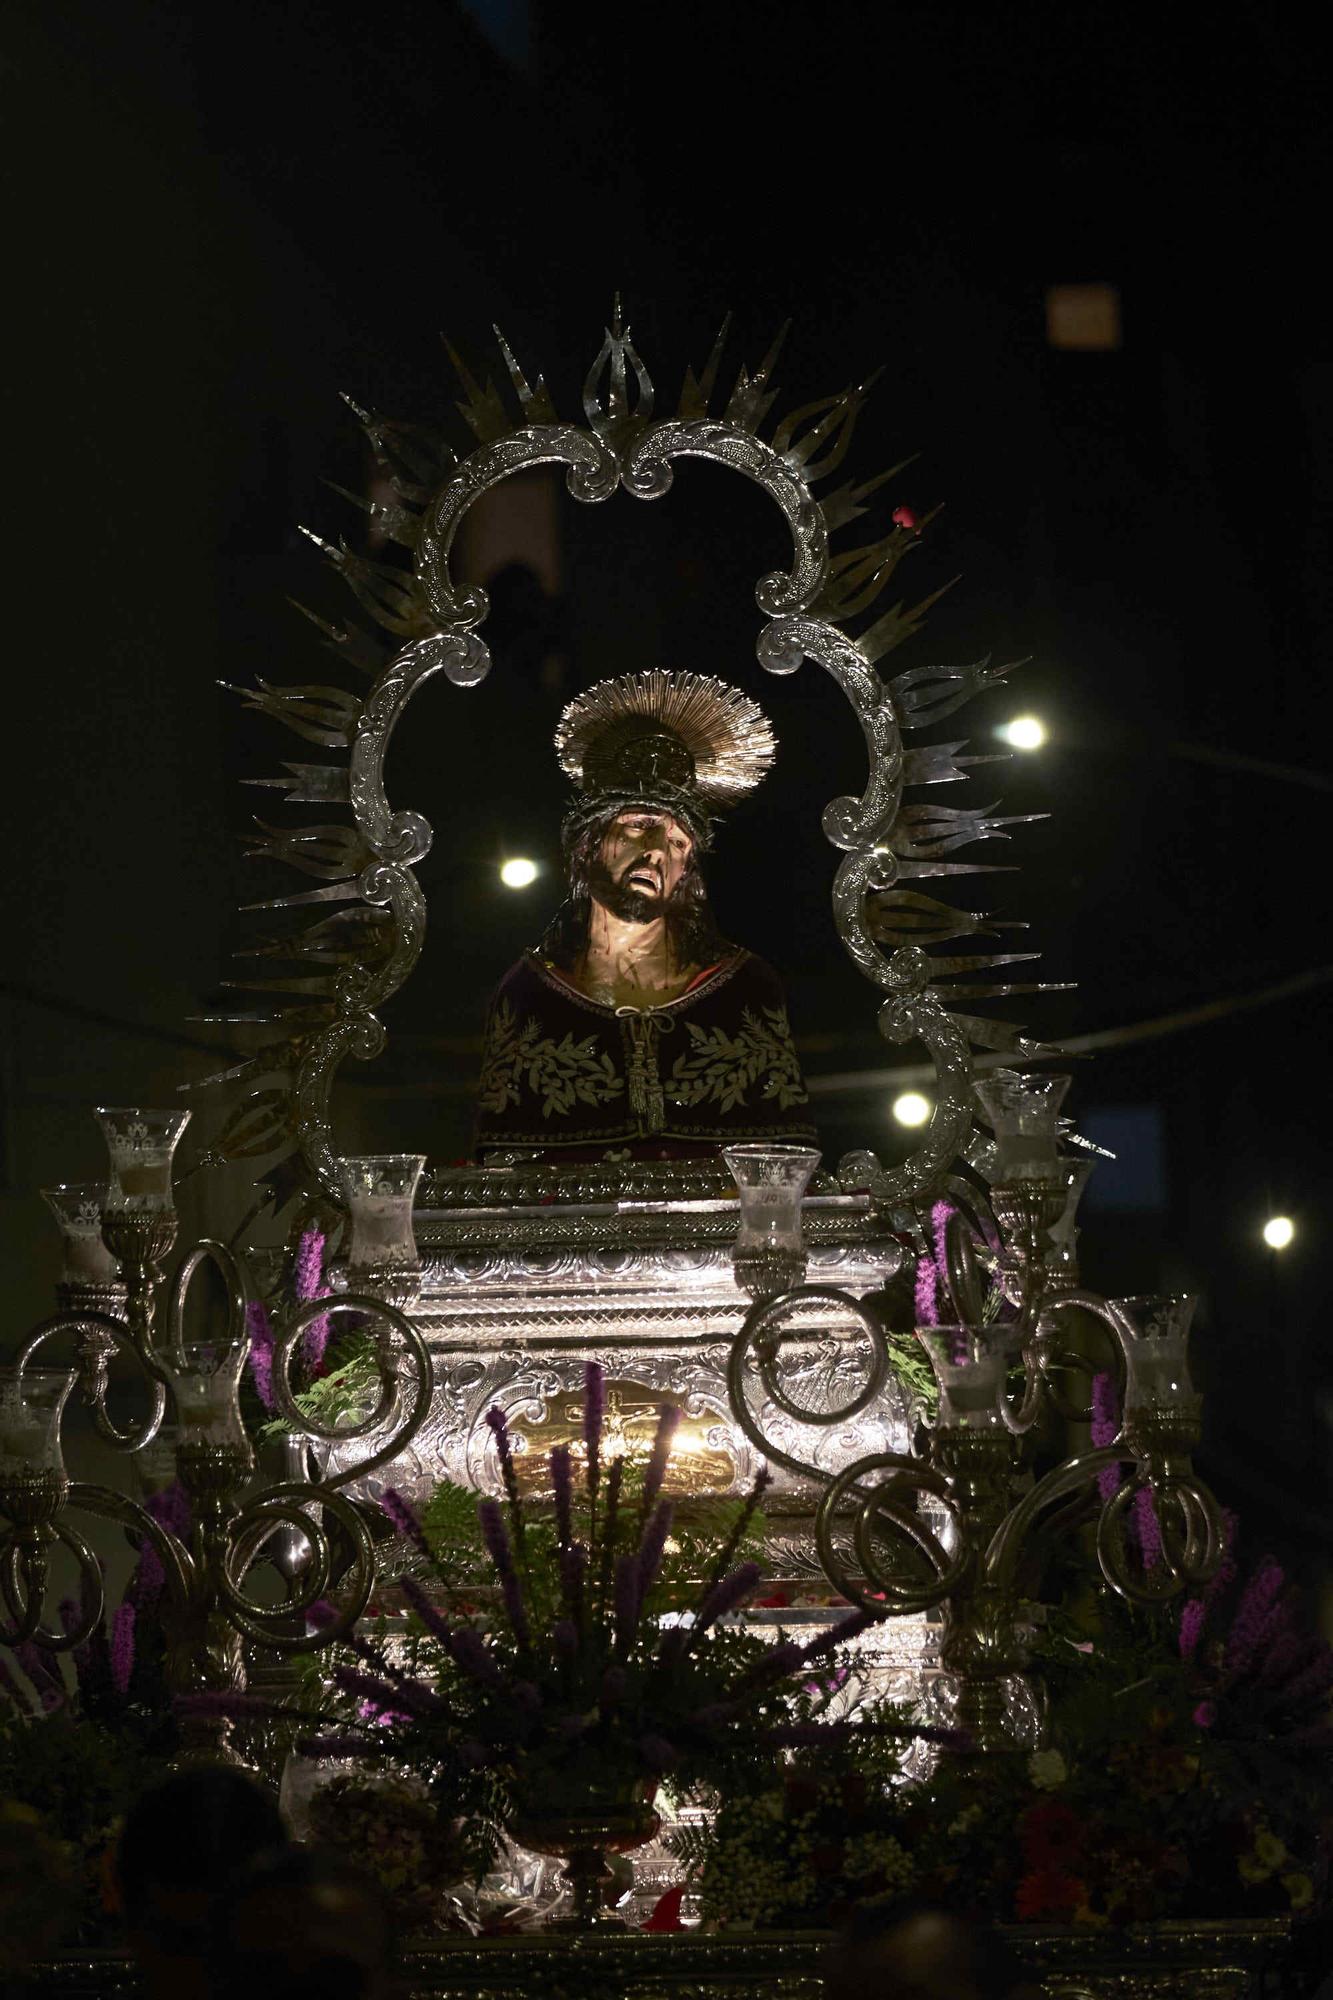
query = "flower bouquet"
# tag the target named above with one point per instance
(1187, 1773)
(608, 1661)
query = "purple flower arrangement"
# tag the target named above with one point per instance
(607, 1651)
(307, 1284)
(935, 1303)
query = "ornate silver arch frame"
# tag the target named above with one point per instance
(352, 959)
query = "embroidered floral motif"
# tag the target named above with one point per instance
(562, 1074)
(720, 1068)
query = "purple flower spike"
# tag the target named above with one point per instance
(652, 1548)
(1191, 1628)
(499, 1428)
(1105, 1431)
(502, 1555)
(927, 1292)
(47, 1681)
(470, 1653)
(260, 1358)
(404, 1520)
(309, 1284)
(594, 1409)
(122, 1648)
(939, 1226)
(1256, 1615)
(1105, 1411)
(838, 1635)
(562, 1482)
(1147, 1527)
(438, 1627)
(727, 1596)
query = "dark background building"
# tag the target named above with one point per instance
(216, 219)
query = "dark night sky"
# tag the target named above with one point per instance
(216, 218)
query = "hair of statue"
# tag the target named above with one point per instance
(692, 931)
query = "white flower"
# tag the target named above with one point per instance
(1047, 1769)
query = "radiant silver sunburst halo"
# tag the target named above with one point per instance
(823, 608)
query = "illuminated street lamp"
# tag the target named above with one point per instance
(911, 1108)
(1279, 1231)
(1025, 732)
(519, 873)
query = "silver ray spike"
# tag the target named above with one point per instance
(923, 696)
(1008, 1035)
(697, 392)
(892, 627)
(535, 399)
(752, 398)
(613, 417)
(846, 502)
(801, 449)
(334, 892)
(926, 832)
(480, 408)
(397, 523)
(320, 714)
(940, 763)
(349, 642)
(332, 852)
(308, 784)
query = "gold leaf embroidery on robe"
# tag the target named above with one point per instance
(720, 1068)
(562, 1074)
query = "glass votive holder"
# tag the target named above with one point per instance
(970, 1364)
(1154, 1333)
(77, 1208)
(1062, 1264)
(32, 1402)
(379, 1189)
(141, 1145)
(769, 1255)
(1024, 1114)
(206, 1382)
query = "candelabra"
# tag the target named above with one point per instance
(208, 1612)
(949, 1527)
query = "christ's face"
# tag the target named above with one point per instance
(640, 863)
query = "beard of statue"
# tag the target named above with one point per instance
(632, 905)
(692, 934)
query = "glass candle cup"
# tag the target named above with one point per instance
(970, 1364)
(1024, 1114)
(141, 1144)
(1154, 1332)
(1074, 1173)
(770, 1255)
(32, 1402)
(379, 1189)
(77, 1208)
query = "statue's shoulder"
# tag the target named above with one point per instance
(533, 985)
(522, 978)
(753, 976)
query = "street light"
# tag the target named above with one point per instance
(1025, 732)
(519, 873)
(1279, 1231)
(911, 1108)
